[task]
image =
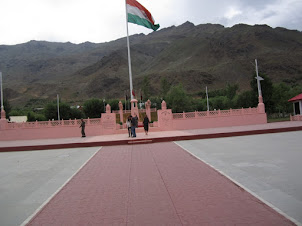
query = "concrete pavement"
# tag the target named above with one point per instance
(28, 179)
(267, 165)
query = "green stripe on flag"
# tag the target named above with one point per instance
(143, 22)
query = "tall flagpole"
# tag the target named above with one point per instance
(129, 57)
(3, 116)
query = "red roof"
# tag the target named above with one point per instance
(299, 97)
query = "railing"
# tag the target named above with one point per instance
(296, 117)
(129, 111)
(37, 124)
(216, 113)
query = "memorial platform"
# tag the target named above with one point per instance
(152, 137)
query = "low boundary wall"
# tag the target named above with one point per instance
(107, 124)
(210, 119)
(296, 118)
(48, 129)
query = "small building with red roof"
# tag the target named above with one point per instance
(297, 102)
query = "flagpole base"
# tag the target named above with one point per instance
(3, 115)
(134, 108)
(261, 107)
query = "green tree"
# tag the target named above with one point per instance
(51, 111)
(65, 111)
(17, 112)
(267, 92)
(76, 113)
(280, 97)
(199, 104)
(231, 90)
(165, 86)
(7, 107)
(178, 100)
(31, 117)
(113, 104)
(244, 100)
(146, 88)
(93, 108)
(155, 102)
(220, 102)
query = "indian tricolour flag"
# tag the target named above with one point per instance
(138, 14)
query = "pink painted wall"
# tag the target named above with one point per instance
(212, 119)
(222, 121)
(107, 123)
(48, 132)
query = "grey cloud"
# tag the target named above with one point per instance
(257, 4)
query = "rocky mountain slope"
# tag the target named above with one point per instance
(197, 56)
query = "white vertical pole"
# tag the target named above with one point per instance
(258, 80)
(2, 107)
(58, 105)
(207, 98)
(129, 57)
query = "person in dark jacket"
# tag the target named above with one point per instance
(83, 128)
(146, 124)
(134, 122)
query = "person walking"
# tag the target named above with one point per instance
(83, 128)
(146, 124)
(128, 123)
(134, 125)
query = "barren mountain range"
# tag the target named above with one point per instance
(196, 56)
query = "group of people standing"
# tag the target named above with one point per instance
(132, 124)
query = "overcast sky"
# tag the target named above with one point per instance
(99, 21)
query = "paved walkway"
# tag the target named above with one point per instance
(155, 184)
(164, 136)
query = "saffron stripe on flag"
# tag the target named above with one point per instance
(142, 8)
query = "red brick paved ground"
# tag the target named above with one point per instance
(153, 184)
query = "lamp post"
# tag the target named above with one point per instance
(258, 80)
(261, 107)
(3, 116)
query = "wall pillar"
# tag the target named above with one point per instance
(165, 117)
(108, 121)
(3, 120)
(261, 107)
(3, 115)
(121, 112)
(134, 108)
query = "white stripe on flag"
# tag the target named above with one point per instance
(135, 11)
